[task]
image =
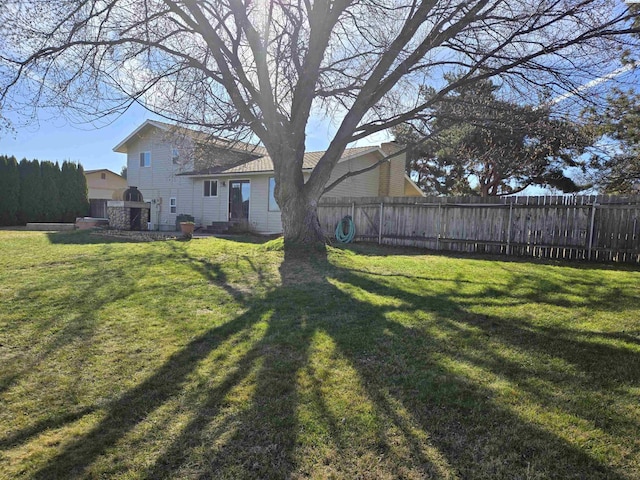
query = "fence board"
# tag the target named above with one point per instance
(545, 226)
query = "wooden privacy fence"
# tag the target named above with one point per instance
(600, 228)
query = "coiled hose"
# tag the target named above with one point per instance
(343, 237)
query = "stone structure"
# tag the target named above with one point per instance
(125, 215)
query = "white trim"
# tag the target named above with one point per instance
(174, 205)
(250, 148)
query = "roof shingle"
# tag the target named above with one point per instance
(265, 164)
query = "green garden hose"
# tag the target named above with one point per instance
(343, 237)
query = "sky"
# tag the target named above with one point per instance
(58, 139)
(55, 138)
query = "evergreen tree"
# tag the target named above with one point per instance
(487, 146)
(81, 193)
(9, 190)
(618, 168)
(73, 188)
(31, 200)
(51, 206)
(67, 176)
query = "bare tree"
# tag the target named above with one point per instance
(262, 68)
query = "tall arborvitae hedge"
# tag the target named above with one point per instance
(73, 184)
(33, 191)
(51, 205)
(82, 192)
(9, 190)
(31, 200)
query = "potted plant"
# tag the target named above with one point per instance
(187, 228)
(186, 224)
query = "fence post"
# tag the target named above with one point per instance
(509, 227)
(353, 211)
(593, 220)
(380, 224)
(438, 226)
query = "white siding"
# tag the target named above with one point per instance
(210, 209)
(260, 218)
(159, 182)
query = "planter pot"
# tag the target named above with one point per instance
(187, 228)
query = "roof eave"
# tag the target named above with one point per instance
(414, 185)
(122, 146)
(233, 174)
(373, 149)
(98, 170)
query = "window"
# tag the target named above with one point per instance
(173, 206)
(273, 205)
(145, 159)
(175, 156)
(103, 176)
(210, 188)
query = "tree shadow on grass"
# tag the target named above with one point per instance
(55, 334)
(98, 236)
(590, 369)
(434, 379)
(84, 237)
(387, 399)
(55, 300)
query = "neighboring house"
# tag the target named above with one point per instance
(180, 171)
(102, 184)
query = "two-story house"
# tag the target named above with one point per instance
(180, 171)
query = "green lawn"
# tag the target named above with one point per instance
(217, 359)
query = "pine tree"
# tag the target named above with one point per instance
(618, 169)
(479, 143)
(9, 190)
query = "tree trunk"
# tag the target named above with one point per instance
(297, 200)
(300, 224)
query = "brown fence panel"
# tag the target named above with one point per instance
(602, 228)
